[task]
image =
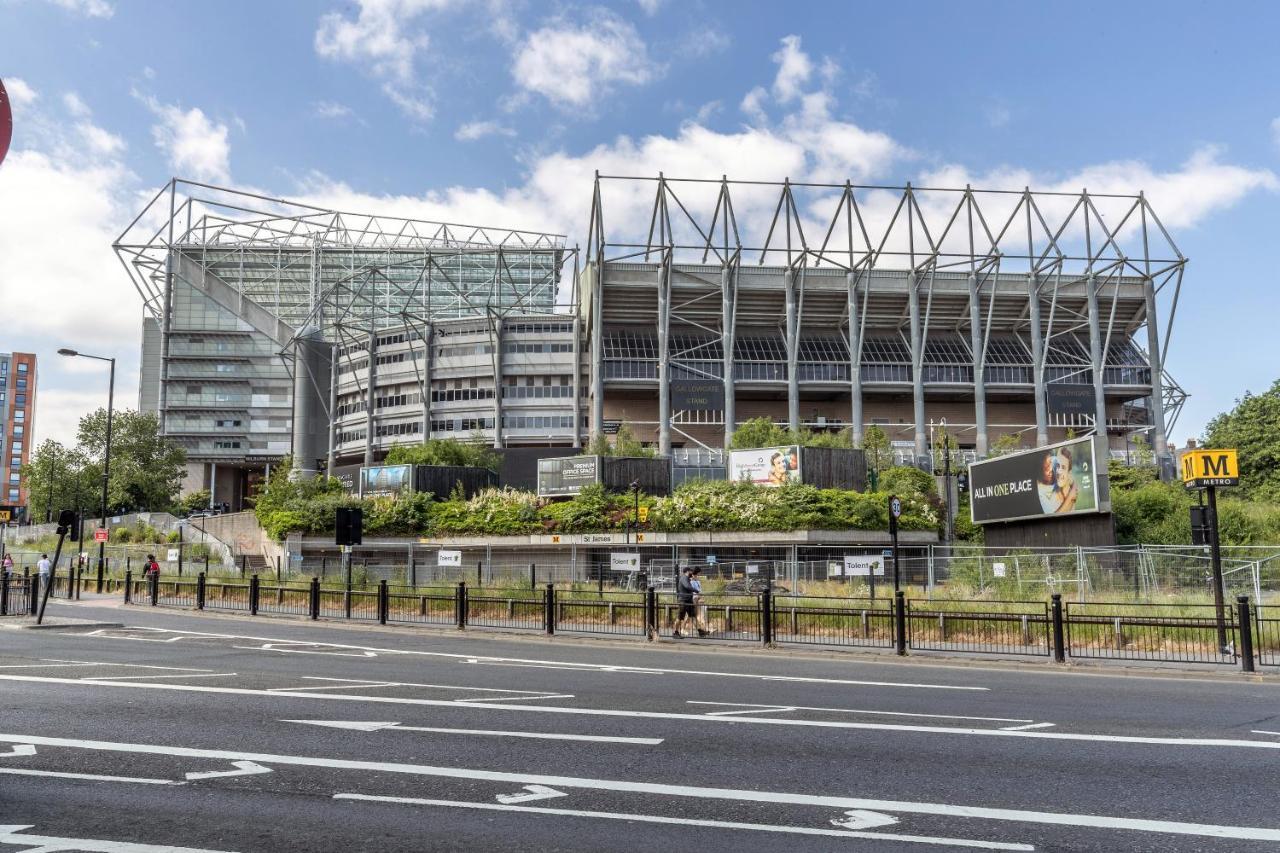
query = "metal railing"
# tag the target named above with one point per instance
(1058, 629)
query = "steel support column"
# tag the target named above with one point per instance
(793, 349)
(664, 355)
(428, 366)
(577, 382)
(496, 335)
(917, 366)
(597, 353)
(728, 298)
(976, 339)
(1095, 357)
(855, 358)
(1037, 359)
(372, 374)
(1159, 440)
(333, 411)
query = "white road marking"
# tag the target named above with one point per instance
(531, 793)
(1249, 833)
(243, 768)
(863, 819)
(19, 749)
(350, 684)
(847, 711)
(1264, 732)
(278, 647)
(369, 684)
(769, 710)
(1027, 728)
(360, 726)
(476, 659)
(663, 715)
(49, 843)
(166, 675)
(685, 821)
(128, 665)
(56, 774)
(513, 698)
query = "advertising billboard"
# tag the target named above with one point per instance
(567, 475)
(766, 466)
(380, 481)
(1049, 482)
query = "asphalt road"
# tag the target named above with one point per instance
(186, 731)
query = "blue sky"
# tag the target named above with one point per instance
(496, 111)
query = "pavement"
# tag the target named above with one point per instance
(186, 731)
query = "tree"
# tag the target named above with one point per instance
(74, 477)
(760, 432)
(147, 469)
(624, 443)
(875, 444)
(446, 451)
(1006, 443)
(1253, 428)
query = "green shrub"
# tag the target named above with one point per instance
(903, 480)
(446, 451)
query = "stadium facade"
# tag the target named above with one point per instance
(276, 329)
(826, 306)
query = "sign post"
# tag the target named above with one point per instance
(1208, 469)
(895, 511)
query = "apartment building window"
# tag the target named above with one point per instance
(20, 400)
(22, 367)
(15, 478)
(19, 415)
(227, 445)
(22, 384)
(18, 429)
(13, 496)
(17, 447)
(228, 422)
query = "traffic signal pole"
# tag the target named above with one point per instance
(1215, 560)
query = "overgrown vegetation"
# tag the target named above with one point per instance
(286, 506)
(445, 451)
(624, 443)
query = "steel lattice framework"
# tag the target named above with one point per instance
(312, 266)
(1056, 272)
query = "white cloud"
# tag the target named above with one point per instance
(20, 92)
(650, 7)
(753, 104)
(474, 130)
(332, 110)
(1275, 130)
(195, 145)
(386, 39)
(67, 196)
(88, 8)
(571, 65)
(794, 69)
(75, 105)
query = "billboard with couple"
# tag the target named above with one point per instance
(1052, 481)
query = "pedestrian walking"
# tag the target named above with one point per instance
(699, 606)
(151, 568)
(686, 591)
(44, 569)
(7, 564)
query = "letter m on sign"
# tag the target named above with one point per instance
(1216, 465)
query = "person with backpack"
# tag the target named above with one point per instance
(151, 567)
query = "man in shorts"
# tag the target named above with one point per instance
(687, 591)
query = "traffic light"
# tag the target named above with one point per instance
(349, 528)
(69, 523)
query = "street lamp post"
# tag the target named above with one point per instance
(106, 460)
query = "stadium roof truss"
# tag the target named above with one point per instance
(940, 262)
(318, 267)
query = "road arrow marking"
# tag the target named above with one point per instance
(244, 768)
(13, 834)
(374, 726)
(19, 749)
(535, 792)
(863, 819)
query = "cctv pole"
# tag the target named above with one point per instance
(1215, 560)
(48, 587)
(106, 473)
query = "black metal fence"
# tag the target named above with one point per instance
(16, 594)
(1123, 631)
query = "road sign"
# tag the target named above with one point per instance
(101, 535)
(643, 514)
(1202, 468)
(895, 507)
(446, 558)
(174, 555)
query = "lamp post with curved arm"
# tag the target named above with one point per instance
(106, 460)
